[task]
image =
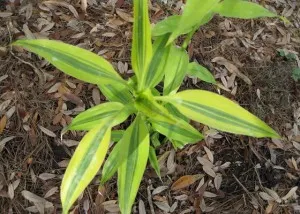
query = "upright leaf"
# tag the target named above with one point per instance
(219, 112)
(74, 61)
(153, 161)
(242, 9)
(156, 69)
(99, 114)
(175, 69)
(165, 123)
(135, 149)
(141, 40)
(196, 70)
(194, 14)
(84, 164)
(116, 93)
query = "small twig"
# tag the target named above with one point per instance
(150, 200)
(38, 72)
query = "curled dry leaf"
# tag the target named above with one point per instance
(51, 192)
(163, 205)
(185, 181)
(266, 196)
(96, 96)
(183, 197)
(159, 190)
(232, 68)
(273, 194)
(125, 16)
(295, 144)
(3, 122)
(218, 181)
(205, 162)
(209, 154)
(174, 206)
(46, 176)
(209, 194)
(11, 192)
(290, 194)
(47, 131)
(111, 206)
(4, 141)
(70, 143)
(209, 171)
(84, 5)
(142, 209)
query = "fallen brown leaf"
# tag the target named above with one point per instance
(185, 181)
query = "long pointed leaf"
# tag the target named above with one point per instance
(242, 9)
(141, 41)
(136, 150)
(163, 122)
(219, 112)
(116, 93)
(196, 70)
(175, 69)
(98, 114)
(195, 12)
(74, 61)
(84, 164)
(156, 69)
(154, 161)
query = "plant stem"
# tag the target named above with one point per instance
(188, 38)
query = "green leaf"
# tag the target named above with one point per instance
(196, 12)
(178, 144)
(141, 40)
(242, 9)
(116, 135)
(136, 151)
(175, 69)
(166, 124)
(174, 111)
(196, 70)
(296, 74)
(113, 162)
(74, 61)
(156, 69)
(116, 93)
(167, 26)
(153, 161)
(84, 164)
(98, 114)
(155, 139)
(219, 112)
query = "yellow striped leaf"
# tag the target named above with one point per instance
(141, 41)
(175, 69)
(194, 13)
(156, 69)
(135, 149)
(112, 112)
(74, 61)
(84, 164)
(165, 123)
(219, 112)
(242, 9)
(116, 93)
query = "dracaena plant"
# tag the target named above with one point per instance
(155, 112)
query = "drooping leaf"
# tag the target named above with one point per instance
(135, 149)
(167, 26)
(84, 164)
(219, 112)
(156, 69)
(242, 9)
(166, 124)
(175, 69)
(116, 93)
(196, 70)
(98, 114)
(141, 40)
(74, 61)
(153, 161)
(194, 14)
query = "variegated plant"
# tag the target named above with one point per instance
(155, 112)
